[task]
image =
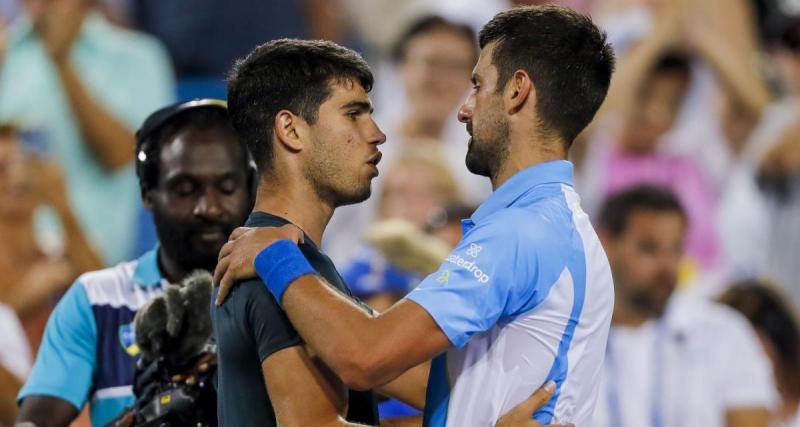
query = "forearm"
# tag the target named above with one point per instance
(364, 351)
(739, 74)
(79, 250)
(750, 417)
(626, 82)
(410, 387)
(402, 422)
(343, 335)
(9, 387)
(109, 139)
(45, 411)
(38, 286)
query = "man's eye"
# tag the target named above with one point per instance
(227, 186)
(352, 115)
(184, 188)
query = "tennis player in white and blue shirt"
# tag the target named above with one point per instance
(527, 295)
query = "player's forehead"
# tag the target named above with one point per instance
(485, 69)
(344, 93)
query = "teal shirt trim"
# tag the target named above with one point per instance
(147, 273)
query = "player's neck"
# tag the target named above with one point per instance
(526, 152)
(298, 204)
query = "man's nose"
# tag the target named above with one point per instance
(208, 206)
(465, 112)
(376, 135)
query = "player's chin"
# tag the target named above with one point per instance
(357, 194)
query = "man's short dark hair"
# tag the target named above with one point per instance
(428, 24)
(617, 209)
(287, 74)
(196, 118)
(564, 53)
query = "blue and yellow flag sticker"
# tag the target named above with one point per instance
(127, 339)
(444, 277)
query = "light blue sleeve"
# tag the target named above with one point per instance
(489, 275)
(65, 364)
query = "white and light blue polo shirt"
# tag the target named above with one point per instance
(89, 350)
(525, 297)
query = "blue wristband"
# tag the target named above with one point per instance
(279, 264)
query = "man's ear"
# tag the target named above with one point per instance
(518, 90)
(290, 130)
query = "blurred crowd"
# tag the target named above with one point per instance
(690, 171)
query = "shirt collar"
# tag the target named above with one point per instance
(556, 171)
(147, 273)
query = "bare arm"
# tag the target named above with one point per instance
(402, 422)
(750, 417)
(302, 392)
(9, 387)
(37, 286)
(49, 182)
(45, 411)
(364, 351)
(519, 416)
(729, 48)
(110, 140)
(410, 387)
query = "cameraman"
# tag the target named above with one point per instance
(194, 176)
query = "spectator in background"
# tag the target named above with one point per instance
(31, 279)
(776, 325)
(195, 176)
(415, 187)
(672, 359)
(82, 85)
(435, 59)
(645, 97)
(633, 140)
(15, 363)
(759, 168)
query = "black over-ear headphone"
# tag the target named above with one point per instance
(157, 120)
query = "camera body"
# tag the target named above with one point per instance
(164, 403)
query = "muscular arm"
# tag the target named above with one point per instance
(364, 351)
(45, 411)
(410, 387)
(107, 137)
(302, 392)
